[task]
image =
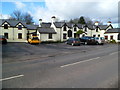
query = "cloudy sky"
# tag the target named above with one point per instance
(103, 10)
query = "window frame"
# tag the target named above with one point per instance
(50, 36)
(111, 37)
(64, 36)
(19, 35)
(6, 36)
(19, 27)
(5, 26)
(64, 28)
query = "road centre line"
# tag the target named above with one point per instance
(11, 77)
(79, 62)
(113, 53)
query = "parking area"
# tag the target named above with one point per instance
(13, 52)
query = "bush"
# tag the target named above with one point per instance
(112, 41)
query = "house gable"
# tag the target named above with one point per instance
(5, 22)
(23, 26)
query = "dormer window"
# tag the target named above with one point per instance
(85, 28)
(75, 29)
(19, 27)
(5, 26)
(64, 28)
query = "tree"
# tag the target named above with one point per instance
(79, 32)
(81, 20)
(18, 15)
(27, 18)
(88, 21)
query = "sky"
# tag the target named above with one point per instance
(100, 10)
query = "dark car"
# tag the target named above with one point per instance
(3, 40)
(73, 41)
(88, 40)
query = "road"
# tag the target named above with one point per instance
(97, 68)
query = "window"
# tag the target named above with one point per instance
(19, 35)
(96, 29)
(85, 29)
(69, 33)
(6, 35)
(19, 27)
(111, 37)
(64, 28)
(106, 37)
(75, 35)
(5, 26)
(119, 36)
(75, 29)
(50, 35)
(64, 36)
(99, 35)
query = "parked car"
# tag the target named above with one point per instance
(34, 40)
(73, 41)
(100, 40)
(88, 40)
(3, 40)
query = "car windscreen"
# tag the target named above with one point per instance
(77, 39)
(97, 38)
(35, 38)
(101, 38)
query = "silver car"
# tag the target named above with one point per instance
(100, 40)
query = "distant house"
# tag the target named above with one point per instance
(14, 31)
(112, 34)
(19, 31)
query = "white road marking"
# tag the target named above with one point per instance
(11, 77)
(79, 62)
(113, 53)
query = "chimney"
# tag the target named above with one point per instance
(40, 22)
(53, 19)
(96, 23)
(109, 22)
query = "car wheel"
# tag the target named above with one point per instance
(86, 43)
(72, 44)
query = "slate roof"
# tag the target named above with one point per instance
(103, 27)
(46, 25)
(70, 25)
(12, 23)
(59, 24)
(80, 26)
(46, 30)
(92, 27)
(114, 30)
(32, 27)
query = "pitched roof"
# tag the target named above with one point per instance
(59, 24)
(103, 27)
(12, 23)
(45, 24)
(114, 30)
(46, 30)
(70, 25)
(92, 27)
(80, 26)
(32, 27)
